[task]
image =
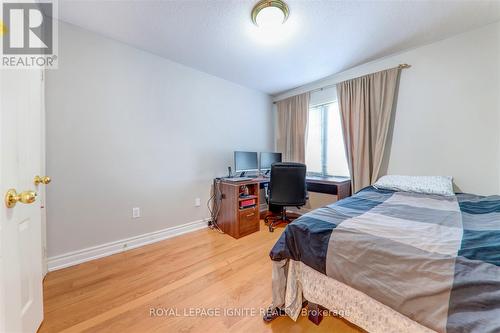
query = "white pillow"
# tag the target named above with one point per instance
(441, 185)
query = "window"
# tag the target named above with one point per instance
(325, 152)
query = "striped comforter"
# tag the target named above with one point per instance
(434, 259)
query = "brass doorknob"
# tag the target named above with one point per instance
(12, 197)
(41, 180)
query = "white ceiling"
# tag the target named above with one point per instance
(325, 37)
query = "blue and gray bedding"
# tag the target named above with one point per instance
(435, 259)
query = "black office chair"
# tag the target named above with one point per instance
(287, 188)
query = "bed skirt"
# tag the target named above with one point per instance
(294, 282)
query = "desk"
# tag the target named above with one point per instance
(238, 222)
(339, 186)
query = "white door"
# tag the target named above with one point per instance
(21, 114)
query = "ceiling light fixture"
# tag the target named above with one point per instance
(270, 13)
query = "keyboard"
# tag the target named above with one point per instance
(237, 179)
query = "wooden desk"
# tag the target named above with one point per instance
(234, 220)
(238, 222)
(339, 186)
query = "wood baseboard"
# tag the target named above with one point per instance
(107, 249)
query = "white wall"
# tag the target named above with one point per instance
(126, 128)
(447, 119)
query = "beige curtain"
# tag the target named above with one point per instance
(292, 127)
(366, 105)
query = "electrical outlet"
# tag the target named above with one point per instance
(136, 212)
(197, 202)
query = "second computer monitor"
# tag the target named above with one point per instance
(267, 159)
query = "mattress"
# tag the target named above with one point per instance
(434, 259)
(305, 283)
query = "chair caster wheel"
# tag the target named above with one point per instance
(271, 229)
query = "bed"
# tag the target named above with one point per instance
(393, 261)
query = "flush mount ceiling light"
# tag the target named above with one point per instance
(270, 13)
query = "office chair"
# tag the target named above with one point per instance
(287, 188)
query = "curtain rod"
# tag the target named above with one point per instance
(400, 66)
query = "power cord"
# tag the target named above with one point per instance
(214, 204)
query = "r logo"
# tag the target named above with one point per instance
(28, 29)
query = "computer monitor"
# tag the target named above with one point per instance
(245, 161)
(267, 159)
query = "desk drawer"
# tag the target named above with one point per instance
(249, 220)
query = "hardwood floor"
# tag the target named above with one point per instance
(201, 270)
